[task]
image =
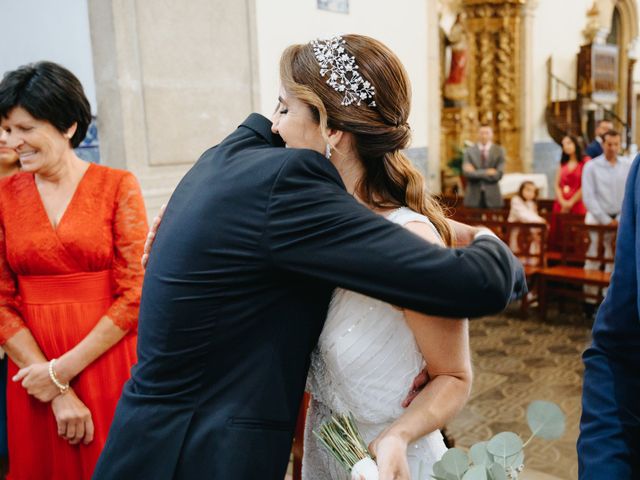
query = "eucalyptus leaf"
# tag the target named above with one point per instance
(516, 460)
(476, 472)
(479, 454)
(496, 472)
(545, 419)
(439, 473)
(456, 462)
(504, 445)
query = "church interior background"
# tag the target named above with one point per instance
(168, 79)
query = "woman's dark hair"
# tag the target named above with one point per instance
(48, 92)
(565, 158)
(523, 185)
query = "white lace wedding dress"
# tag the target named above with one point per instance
(365, 362)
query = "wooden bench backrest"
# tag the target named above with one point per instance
(576, 240)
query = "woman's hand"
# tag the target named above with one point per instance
(73, 418)
(36, 381)
(148, 243)
(390, 451)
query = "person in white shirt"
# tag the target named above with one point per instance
(603, 182)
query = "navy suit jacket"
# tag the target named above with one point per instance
(594, 149)
(609, 442)
(252, 243)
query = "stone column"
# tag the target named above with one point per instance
(434, 97)
(172, 79)
(526, 95)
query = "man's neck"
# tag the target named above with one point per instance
(612, 160)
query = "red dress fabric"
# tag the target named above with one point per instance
(59, 282)
(570, 183)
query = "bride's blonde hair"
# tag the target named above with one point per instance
(380, 132)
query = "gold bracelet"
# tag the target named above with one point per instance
(63, 387)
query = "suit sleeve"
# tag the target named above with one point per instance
(609, 442)
(499, 166)
(476, 174)
(315, 228)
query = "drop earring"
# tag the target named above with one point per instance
(327, 151)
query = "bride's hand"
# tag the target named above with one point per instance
(148, 243)
(390, 451)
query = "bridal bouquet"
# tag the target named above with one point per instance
(341, 438)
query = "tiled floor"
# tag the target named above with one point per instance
(515, 362)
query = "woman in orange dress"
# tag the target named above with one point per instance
(71, 239)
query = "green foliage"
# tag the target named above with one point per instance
(455, 162)
(545, 420)
(340, 436)
(502, 457)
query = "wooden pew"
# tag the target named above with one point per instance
(557, 279)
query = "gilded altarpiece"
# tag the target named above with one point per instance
(494, 79)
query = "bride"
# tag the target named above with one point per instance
(349, 97)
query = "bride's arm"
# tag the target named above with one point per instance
(444, 344)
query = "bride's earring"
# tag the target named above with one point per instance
(327, 151)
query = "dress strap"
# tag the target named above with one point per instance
(404, 215)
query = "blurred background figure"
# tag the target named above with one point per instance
(523, 205)
(71, 238)
(483, 166)
(603, 182)
(9, 160)
(568, 187)
(594, 149)
(9, 164)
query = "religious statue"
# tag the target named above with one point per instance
(455, 87)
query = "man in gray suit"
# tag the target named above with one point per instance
(483, 167)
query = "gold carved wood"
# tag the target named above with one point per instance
(495, 35)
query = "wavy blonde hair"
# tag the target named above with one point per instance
(380, 133)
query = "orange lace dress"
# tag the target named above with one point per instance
(58, 283)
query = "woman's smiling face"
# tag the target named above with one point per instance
(38, 143)
(294, 122)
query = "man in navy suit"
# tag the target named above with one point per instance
(594, 149)
(252, 243)
(609, 442)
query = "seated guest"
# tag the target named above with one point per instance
(594, 149)
(524, 209)
(523, 205)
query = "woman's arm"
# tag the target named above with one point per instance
(559, 196)
(575, 198)
(444, 344)
(130, 229)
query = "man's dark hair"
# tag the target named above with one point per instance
(610, 133)
(48, 92)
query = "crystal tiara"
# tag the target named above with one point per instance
(343, 71)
